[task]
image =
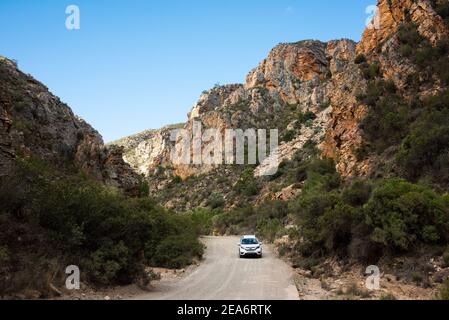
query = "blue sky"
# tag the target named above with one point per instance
(140, 64)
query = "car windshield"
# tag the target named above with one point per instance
(249, 241)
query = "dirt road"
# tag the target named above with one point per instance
(223, 276)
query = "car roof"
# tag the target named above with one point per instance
(249, 237)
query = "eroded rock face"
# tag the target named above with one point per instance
(288, 67)
(33, 122)
(306, 76)
(294, 75)
(391, 13)
(148, 150)
(342, 134)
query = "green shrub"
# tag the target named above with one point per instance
(360, 59)
(203, 220)
(322, 175)
(442, 8)
(422, 53)
(307, 263)
(402, 214)
(336, 226)
(358, 193)
(375, 90)
(417, 277)
(305, 117)
(264, 219)
(309, 209)
(446, 258)
(176, 180)
(387, 296)
(272, 210)
(144, 189)
(216, 200)
(444, 291)
(408, 34)
(177, 251)
(105, 264)
(109, 236)
(386, 122)
(366, 220)
(289, 135)
(247, 185)
(362, 152)
(371, 71)
(406, 50)
(4, 255)
(237, 221)
(424, 150)
(268, 229)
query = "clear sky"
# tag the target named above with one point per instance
(141, 64)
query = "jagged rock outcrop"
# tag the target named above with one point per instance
(307, 76)
(391, 13)
(148, 150)
(342, 134)
(33, 122)
(292, 71)
(297, 76)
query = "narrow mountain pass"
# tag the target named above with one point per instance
(224, 276)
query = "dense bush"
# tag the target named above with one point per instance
(387, 119)
(265, 220)
(371, 71)
(216, 200)
(109, 236)
(321, 175)
(247, 184)
(360, 59)
(236, 221)
(288, 136)
(203, 220)
(365, 220)
(177, 251)
(424, 151)
(422, 53)
(444, 291)
(402, 214)
(426, 147)
(305, 117)
(268, 229)
(357, 193)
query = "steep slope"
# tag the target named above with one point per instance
(67, 199)
(34, 123)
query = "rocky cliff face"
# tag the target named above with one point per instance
(307, 76)
(35, 123)
(390, 15)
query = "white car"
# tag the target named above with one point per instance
(250, 246)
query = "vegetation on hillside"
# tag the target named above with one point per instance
(49, 220)
(411, 130)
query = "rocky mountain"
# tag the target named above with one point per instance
(35, 123)
(323, 81)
